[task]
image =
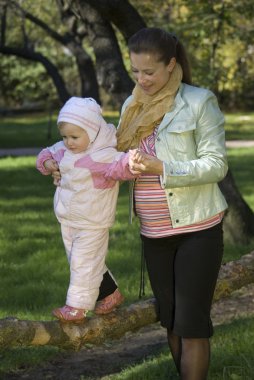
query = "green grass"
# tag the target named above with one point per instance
(241, 163)
(34, 270)
(27, 131)
(33, 131)
(232, 357)
(24, 358)
(239, 126)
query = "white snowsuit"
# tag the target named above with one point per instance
(85, 205)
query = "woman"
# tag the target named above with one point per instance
(178, 130)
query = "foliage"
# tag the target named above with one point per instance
(218, 35)
(219, 39)
(24, 82)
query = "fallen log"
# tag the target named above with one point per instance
(16, 333)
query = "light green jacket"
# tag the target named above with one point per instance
(191, 143)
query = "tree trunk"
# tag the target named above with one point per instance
(111, 73)
(239, 220)
(120, 13)
(14, 332)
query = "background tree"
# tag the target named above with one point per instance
(86, 41)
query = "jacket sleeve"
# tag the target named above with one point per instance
(119, 169)
(43, 156)
(210, 162)
(55, 152)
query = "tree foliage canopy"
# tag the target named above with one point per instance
(57, 48)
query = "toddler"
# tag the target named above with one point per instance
(85, 200)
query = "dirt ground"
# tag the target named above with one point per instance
(97, 362)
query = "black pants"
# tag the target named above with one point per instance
(183, 270)
(107, 287)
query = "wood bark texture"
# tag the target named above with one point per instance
(16, 333)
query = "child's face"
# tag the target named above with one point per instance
(75, 138)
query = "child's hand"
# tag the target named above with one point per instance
(51, 165)
(132, 161)
(56, 177)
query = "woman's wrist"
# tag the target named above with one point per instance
(158, 169)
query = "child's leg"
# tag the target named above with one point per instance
(86, 252)
(67, 236)
(109, 297)
(108, 285)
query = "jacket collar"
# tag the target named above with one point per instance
(179, 103)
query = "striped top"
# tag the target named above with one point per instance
(151, 203)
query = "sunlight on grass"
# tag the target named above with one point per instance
(239, 126)
(157, 368)
(36, 130)
(39, 130)
(28, 131)
(241, 162)
(232, 357)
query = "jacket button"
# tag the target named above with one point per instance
(170, 194)
(158, 139)
(177, 220)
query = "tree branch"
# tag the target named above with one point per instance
(51, 69)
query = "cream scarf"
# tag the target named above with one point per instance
(145, 112)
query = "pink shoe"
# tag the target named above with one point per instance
(109, 303)
(69, 314)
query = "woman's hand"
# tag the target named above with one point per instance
(141, 162)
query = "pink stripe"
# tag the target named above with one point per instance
(88, 122)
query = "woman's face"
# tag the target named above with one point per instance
(150, 74)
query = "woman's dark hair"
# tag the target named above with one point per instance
(163, 44)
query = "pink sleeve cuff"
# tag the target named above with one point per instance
(43, 156)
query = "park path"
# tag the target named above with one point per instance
(16, 152)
